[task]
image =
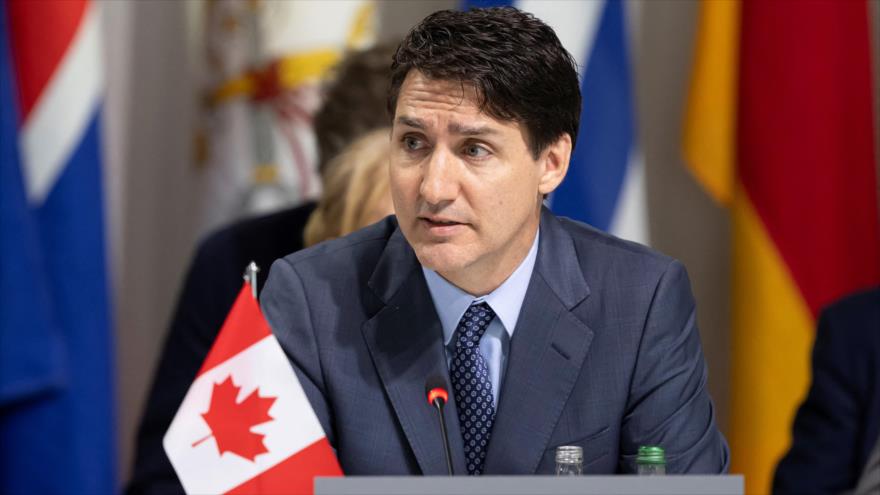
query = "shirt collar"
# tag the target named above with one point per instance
(506, 301)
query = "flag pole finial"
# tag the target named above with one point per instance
(250, 276)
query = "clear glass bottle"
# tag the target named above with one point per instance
(651, 460)
(569, 460)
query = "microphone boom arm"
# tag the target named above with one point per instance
(438, 396)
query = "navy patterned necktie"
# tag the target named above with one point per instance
(469, 374)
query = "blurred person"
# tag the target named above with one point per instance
(837, 427)
(354, 104)
(548, 331)
(355, 189)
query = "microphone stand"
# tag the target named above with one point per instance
(438, 404)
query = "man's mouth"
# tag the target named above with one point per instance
(440, 221)
(441, 226)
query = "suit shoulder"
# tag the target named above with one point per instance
(359, 247)
(223, 255)
(854, 319)
(279, 233)
(592, 244)
(859, 306)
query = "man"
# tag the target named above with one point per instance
(838, 424)
(354, 103)
(548, 332)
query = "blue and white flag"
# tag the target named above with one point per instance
(57, 420)
(605, 185)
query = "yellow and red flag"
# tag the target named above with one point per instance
(779, 128)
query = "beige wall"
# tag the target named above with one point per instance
(150, 116)
(684, 221)
(148, 127)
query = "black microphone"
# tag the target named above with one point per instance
(435, 389)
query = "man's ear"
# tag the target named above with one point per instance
(554, 164)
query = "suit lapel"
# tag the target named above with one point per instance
(546, 354)
(405, 341)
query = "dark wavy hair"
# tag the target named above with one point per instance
(516, 62)
(354, 100)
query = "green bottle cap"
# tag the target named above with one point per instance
(651, 454)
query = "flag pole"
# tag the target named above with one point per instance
(250, 276)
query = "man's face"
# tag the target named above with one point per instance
(466, 189)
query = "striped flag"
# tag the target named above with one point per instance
(779, 128)
(246, 425)
(605, 185)
(56, 390)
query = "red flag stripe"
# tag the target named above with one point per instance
(295, 474)
(806, 152)
(41, 33)
(244, 327)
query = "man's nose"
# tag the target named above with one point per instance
(440, 178)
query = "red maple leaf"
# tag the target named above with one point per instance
(231, 421)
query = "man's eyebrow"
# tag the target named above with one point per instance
(465, 130)
(454, 128)
(411, 122)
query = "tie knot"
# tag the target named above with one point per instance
(474, 323)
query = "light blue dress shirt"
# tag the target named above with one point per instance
(506, 301)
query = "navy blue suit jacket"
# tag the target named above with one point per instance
(839, 422)
(606, 355)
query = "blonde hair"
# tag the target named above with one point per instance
(355, 183)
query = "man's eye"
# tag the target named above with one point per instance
(412, 144)
(475, 151)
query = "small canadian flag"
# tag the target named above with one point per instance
(246, 426)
